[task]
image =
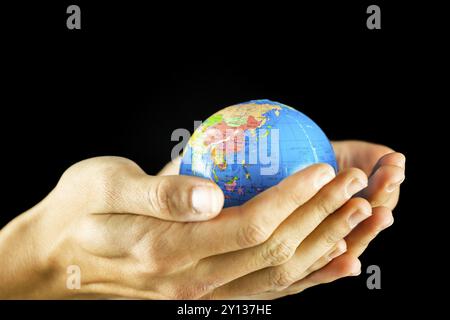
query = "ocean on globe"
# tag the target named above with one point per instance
(250, 147)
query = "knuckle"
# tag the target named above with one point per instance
(153, 265)
(98, 165)
(280, 278)
(357, 173)
(140, 278)
(295, 197)
(277, 252)
(191, 291)
(364, 243)
(360, 204)
(98, 179)
(342, 245)
(158, 255)
(108, 167)
(158, 196)
(326, 205)
(154, 257)
(332, 236)
(383, 150)
(291, 198)
(252, 234)
(324, 168)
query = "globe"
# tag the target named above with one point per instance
(250, 147)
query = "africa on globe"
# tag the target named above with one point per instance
(250, 147)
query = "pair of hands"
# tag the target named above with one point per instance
(167, 237)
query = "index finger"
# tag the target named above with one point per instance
(252, 223)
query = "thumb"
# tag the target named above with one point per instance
(173, 198)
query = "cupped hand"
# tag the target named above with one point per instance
(384, 166)
(386, 171)
(127, 233)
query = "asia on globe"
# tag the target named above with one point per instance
(250, 147)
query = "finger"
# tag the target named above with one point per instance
(391, 159)
(363, 234)
(330, 198)
(172, 168)
(338, 249)
(172, 198)
(252, 223)
(276, 278)
(233, 229)
(383, 185)
(343, 266)
(283, 244)
(380, 176)
(360, 154)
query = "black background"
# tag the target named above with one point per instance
(136, 72)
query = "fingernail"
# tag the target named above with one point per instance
(356, 273)
(336, 253)
(355, 186)
(357, 217)
(324, 178)
(392, 187)
(402, 162)
(205, 200)
(388, 223)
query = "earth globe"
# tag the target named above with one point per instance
(250, 147)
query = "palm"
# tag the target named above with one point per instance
(384, 167)
(359, 154)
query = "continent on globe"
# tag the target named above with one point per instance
(250, 147)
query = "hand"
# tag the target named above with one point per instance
(85, 221)
(386, 170)
(334, 265)
(125, 231)
(384, 166)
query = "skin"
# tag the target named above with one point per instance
(385, 169)
(140, 236)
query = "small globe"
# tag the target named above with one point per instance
(250, 147)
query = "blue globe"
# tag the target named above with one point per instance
(250, 147)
